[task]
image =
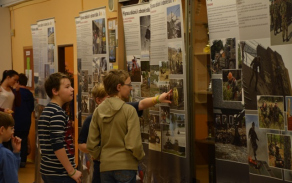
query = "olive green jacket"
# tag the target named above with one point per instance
(116, 125)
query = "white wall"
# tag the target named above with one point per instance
(5, 41)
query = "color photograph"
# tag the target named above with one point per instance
(98, 36)
(177, 99)
(232, 86)
(175, 57)
(154, 132)
(174, 22)
(270, 111)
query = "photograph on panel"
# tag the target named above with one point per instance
(98, 36)
(177, 98)
(257, 149)
(164, 114)
(154, 78)
(175, 57)
(174, 25)
(47, 70)
(154, 132)
(289, 113)
(288, 175)
(223, 55)
(174, 135)
(134, 69)
(39, 84)
(84, 104)
(164, 71)
(145, 31)
(51, 45)
(271, 112)
(144, 126)
(265, 70)
(232, 85)
(279, 149)
(84, 80)
(145, 83)
(92, 105)
(135, 95)
(112, 45)
(280, 22)
(230, 135)
(99, 67)
(164, 87)
(90, 79)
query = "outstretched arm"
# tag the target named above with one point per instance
(151, 101)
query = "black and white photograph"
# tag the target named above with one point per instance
(174, 25)
(174, 135)
(177, 99)
(223, 55)
(164, 71)
(175, 57)
(145, 31)
(154, 132)
(98, 36)
(232, 86)
(271, 112)
(265, 70)
(134, 68)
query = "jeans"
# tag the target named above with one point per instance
(57, 179)
(96, 172)
(118, 176)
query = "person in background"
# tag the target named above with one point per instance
(9, 95)
(56, 142)
(9, 162)
(9, 98)
(99, 95)
(22, 117)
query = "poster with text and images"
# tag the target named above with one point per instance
(92, 53)
(45, 63)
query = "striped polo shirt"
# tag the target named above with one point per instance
(54, 133)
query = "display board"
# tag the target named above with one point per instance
(45, 62)
(156, 63)
(250, 55)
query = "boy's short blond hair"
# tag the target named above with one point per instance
(112, 79)
(54, 81)
(6, 120)
(98, 91)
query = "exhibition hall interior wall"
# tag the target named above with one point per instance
(64, 12)
(5, 46)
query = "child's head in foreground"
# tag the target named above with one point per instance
(117, 83)
(59, 85)
(6, 126)
(98, 93)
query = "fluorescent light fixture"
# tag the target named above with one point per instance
(7, 3)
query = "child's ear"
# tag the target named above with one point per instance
(2, 130)
(54, 91)
(119, 87)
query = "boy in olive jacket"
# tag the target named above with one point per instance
(117, 124)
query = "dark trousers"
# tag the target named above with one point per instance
(24, 136)
(96, 172)
(57, 179)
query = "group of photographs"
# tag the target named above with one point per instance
(252, 105)
(162, 126)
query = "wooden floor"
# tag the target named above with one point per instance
(26, 175)
(202, 174)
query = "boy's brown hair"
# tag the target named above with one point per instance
(54, 81)
(112, 79)
(6, 120)
(98, 91)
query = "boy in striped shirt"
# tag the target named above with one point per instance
(56, 143)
